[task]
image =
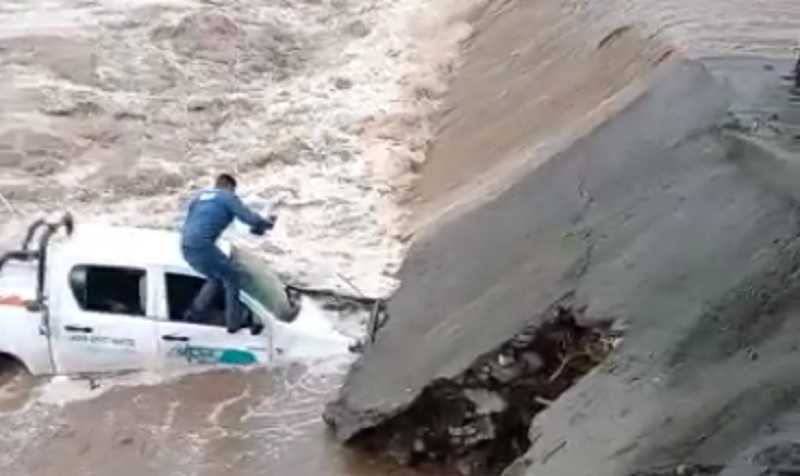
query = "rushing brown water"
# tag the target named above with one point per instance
(223, 422)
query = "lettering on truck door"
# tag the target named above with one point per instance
(100, 320)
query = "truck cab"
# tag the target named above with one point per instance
(104, 299)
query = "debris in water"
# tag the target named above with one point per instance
(477, 423)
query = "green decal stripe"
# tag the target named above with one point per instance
(210, 355)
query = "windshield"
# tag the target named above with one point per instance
(261, 284)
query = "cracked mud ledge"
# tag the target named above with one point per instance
(478, 421)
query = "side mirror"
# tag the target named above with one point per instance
(32, 305)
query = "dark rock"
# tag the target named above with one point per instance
(505, 372)
(485, 401)
(533, 362)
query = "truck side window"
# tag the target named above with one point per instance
(181, 290)
(109, 289)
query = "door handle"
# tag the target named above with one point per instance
(85, 330)
(175, 338)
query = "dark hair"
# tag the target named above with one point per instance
(226, 181)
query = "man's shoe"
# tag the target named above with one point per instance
(234, 331)
(256, 328)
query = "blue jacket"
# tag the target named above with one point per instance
(211, 211)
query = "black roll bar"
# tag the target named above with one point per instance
(69, 225)
(31, 232)
(24, 253)
(17, 255)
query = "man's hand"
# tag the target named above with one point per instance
(271, 221)
(264, 225)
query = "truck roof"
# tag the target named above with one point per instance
(126, 246)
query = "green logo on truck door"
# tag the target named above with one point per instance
(202, 355)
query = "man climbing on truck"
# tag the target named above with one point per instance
(209, 214)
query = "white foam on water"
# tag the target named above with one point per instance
(312, 337)
(62, 390)
(314, 105)
(314, 321)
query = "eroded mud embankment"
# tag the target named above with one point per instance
(478, 420)
(642, 185)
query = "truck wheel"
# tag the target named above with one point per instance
(16, 384)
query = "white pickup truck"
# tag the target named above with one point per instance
(110, 299)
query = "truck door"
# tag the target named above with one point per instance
(100, 320)
(187, 344)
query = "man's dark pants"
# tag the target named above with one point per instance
(220, 273)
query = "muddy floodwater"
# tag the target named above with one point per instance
(199, 420)
(223, 422)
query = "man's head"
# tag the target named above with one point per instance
(226, 181)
